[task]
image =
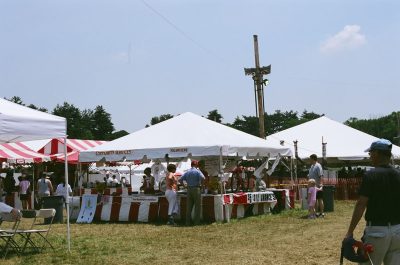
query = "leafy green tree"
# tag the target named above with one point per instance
(102, 128)
(88, 122)
(247, 124)
(280, 121)
(118, 134)
(160, 118)
(309, 116)
(17, 100)
(214, 116)
(387, 127)
(275, 122)
(37, 108)
(74, 119)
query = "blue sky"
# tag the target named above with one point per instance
(144, 58)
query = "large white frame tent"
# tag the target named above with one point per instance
(185, 135)
(19, 123)
(343, 143)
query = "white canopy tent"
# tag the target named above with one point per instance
(342, 141)
(19, 123)
(186, 135)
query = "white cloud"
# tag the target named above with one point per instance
(349, 38)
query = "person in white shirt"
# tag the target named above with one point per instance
(4, 208)
(109, 180)
(61, 191)
(124, 182)
(115, 181)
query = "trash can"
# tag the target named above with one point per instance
(57, 203)
(292, 196)
(328, 198)
(280, 196)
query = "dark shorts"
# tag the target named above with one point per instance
(24, 197)
(320, 194)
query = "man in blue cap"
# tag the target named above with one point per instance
(379, 196)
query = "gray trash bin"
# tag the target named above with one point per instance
(57, 203)
(329, 191)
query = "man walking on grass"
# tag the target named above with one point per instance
(379, 196)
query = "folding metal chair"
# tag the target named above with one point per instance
(8, 229)
(36, 235)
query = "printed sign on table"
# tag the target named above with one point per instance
(88, 208)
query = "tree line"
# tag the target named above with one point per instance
(96, 124)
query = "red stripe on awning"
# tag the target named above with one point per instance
(77, 143)
(21, 153)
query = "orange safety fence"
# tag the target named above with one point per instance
(345, 188)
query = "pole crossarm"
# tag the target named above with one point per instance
(257, 73)
(265, 70)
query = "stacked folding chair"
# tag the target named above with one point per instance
(35, 236)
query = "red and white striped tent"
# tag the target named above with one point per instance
(55, 148)
(21, 154)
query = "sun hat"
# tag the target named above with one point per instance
(381, 144)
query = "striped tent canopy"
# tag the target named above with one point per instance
(55, 147)
(21, 154)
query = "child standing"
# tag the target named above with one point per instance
(311, 198)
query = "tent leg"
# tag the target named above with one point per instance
(67, 193)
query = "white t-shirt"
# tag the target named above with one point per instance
(61, 190)
(158, 171)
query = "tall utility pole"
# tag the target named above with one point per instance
(257, 73)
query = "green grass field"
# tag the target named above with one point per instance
(285, 238)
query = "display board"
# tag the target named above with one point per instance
(88, 208)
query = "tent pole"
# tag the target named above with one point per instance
(33, 188)
(291, 172)
(221, 171)
(130, 176)
(221, 175)
(67, 193)
(79, 177)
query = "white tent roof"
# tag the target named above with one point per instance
(182, 136)
(19, 123)
(343, 142)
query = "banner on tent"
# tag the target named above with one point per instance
(115, 152)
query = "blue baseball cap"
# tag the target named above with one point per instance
(381, 144)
